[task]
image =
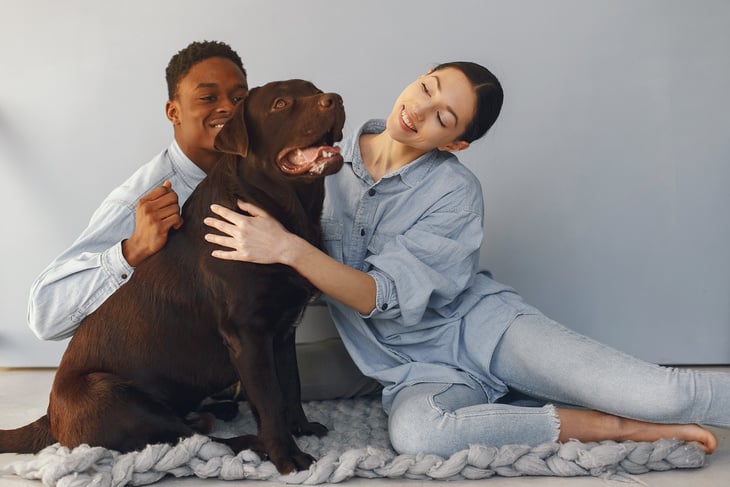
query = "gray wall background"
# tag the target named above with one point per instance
(606, 178)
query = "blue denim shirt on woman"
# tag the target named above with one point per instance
(417, 232)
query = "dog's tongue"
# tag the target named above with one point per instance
(311, 154)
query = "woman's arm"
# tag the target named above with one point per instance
(261, 239)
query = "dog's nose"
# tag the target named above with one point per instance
(329, 100)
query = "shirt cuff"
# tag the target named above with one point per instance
(116, 265)
(385, 296)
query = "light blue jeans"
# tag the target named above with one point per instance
(543, 363)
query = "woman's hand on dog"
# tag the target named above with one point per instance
(252, 237)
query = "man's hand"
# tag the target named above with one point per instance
(157, 212)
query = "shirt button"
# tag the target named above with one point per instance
(124, 276)
(384, 306)
(372, 192)
(362, 232)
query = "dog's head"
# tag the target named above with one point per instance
(291, 124)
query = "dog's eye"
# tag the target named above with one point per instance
(280, 103)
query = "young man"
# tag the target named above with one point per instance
(205, 81)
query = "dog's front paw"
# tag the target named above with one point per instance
(309, 428)
(295, 461)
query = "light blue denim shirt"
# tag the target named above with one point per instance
(88, 272)
(417, 232)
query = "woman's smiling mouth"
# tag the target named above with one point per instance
(407, 122)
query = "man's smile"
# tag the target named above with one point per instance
(218, 123)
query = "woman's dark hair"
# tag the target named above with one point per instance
(194, 53)
(489, 97)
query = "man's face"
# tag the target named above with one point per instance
(204, 102)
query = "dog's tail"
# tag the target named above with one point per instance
(30, 438)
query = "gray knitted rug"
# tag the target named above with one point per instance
(356, 446)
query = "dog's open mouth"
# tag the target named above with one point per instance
(314, 160)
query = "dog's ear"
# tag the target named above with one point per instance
(233, 137)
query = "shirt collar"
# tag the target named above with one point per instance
(186, 168)
(411, 174)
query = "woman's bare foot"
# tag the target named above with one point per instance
(586, 425)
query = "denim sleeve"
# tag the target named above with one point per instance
(87, 273)
(428, 266)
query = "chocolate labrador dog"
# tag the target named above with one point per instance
(188, 325)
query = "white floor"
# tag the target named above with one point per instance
(24, 395)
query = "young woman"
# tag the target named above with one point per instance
(462, 357)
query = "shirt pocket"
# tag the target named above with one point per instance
(332, 236)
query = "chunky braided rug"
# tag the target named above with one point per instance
(356, 446)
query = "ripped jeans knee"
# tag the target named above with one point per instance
(442, 419)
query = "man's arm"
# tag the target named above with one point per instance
(100, 261)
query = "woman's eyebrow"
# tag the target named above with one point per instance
(448, 108)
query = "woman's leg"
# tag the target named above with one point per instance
(543, 359)
(587, 425)
(445, 418)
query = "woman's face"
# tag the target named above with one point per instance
(433, 111)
